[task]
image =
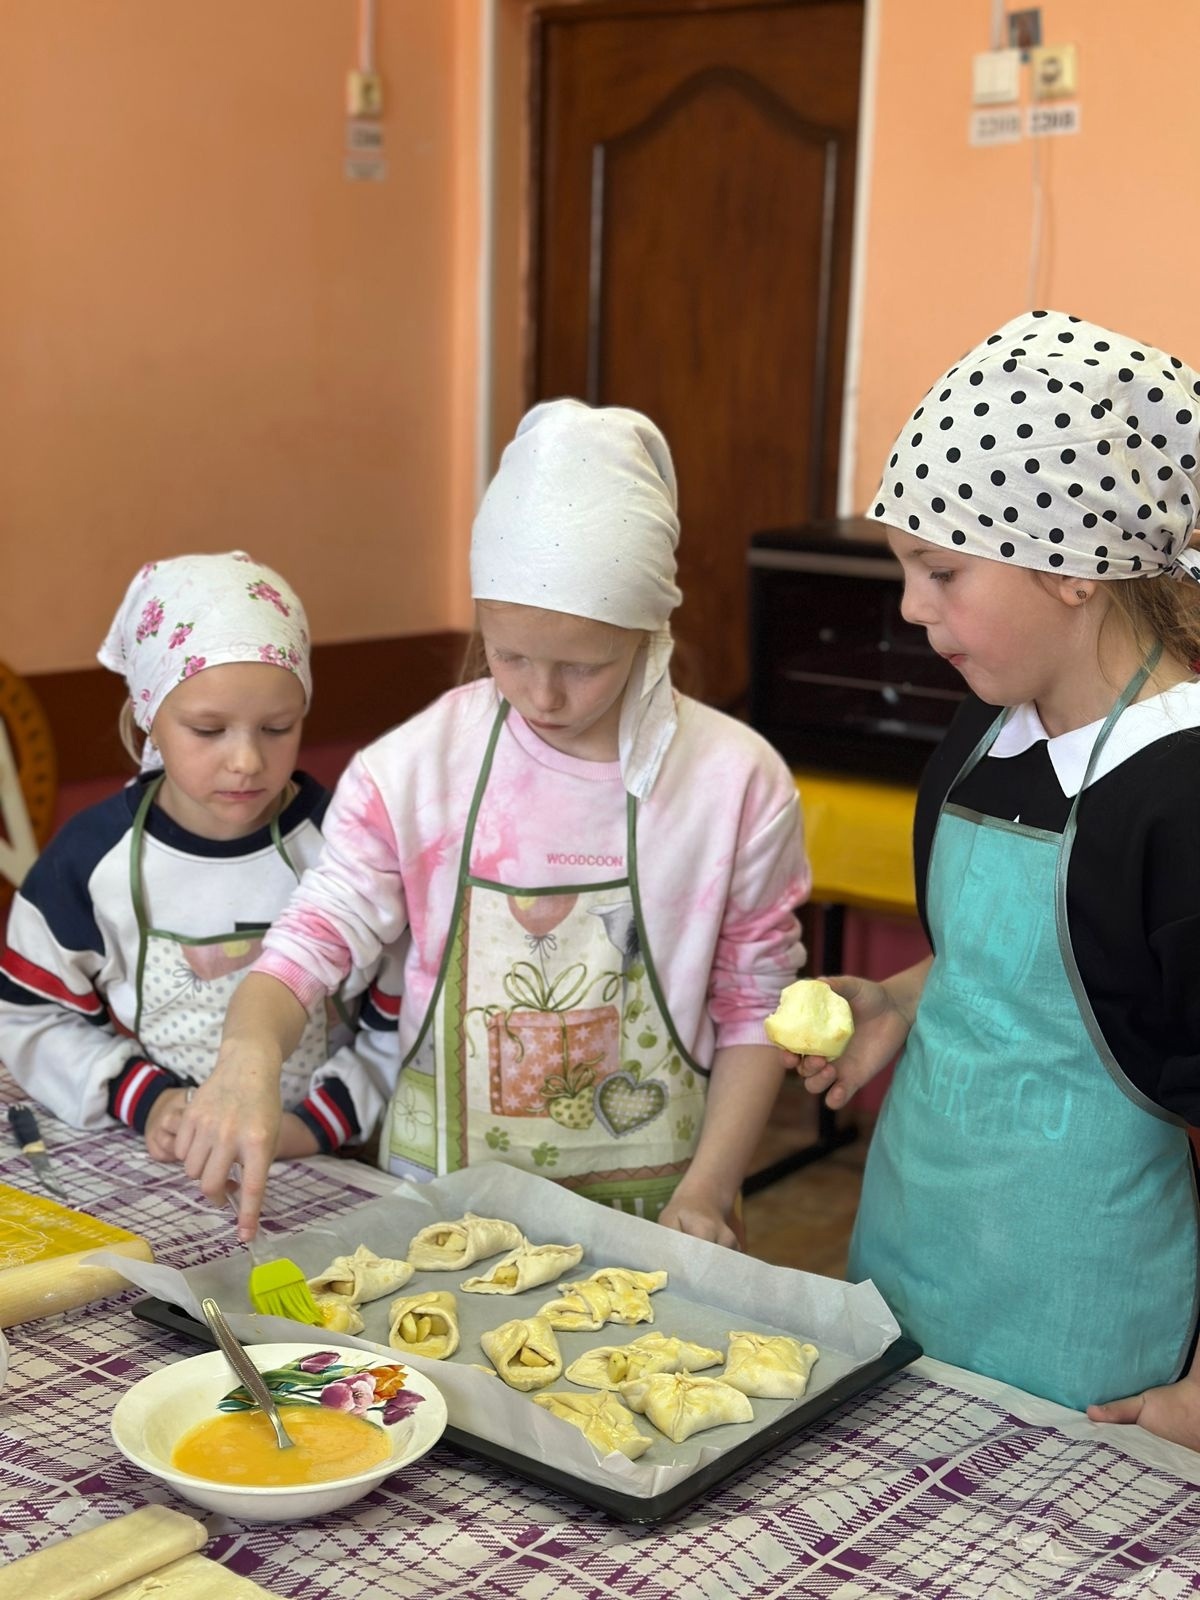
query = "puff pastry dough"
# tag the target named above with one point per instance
(614, 1279)
(444, 1246)
(526, 1267)
(338, 1314)
(629, 1306)
(682, 1403)
(609, 1366)
(361, 1276)
(424, 1324)
(581, 1308)
(524, 1352)
(605, 1423)
(769, 1366)
(628, 1292)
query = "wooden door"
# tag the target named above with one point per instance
(693, 182)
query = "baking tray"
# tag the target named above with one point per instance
(626, 1507)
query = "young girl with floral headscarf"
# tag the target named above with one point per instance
(1029, 1204)
(132, 930)
(595, 877)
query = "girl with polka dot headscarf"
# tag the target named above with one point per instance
(1028, 1207)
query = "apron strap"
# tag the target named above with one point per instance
(135, 891)
(647, 957)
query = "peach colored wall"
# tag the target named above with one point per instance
(211, 338)
(949, 227)
(467, 352)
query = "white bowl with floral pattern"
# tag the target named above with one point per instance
(150, 1420)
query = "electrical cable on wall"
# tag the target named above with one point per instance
(999, 23)
(366, 35)
(1036, 208)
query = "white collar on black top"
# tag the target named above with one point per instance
(1142, 724)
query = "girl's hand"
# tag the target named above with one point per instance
(699, 1215)
(1171, 1411)
(883, 1015)
(233, 1120)
(163, 1124)
(880, 1028)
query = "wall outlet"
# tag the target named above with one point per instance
(995, 79)
(1055, 72)
(364, 94)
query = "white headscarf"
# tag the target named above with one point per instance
(1058, 445)
(182, 616)
(581, 517)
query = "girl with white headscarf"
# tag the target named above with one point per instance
(595, 877)
(133, 929)
(1029, 1206)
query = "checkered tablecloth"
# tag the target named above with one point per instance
(918, 1488)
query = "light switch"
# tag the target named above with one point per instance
(1054, 71)
(996, 77)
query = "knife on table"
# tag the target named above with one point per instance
(28, 1135)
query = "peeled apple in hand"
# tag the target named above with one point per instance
(811, 1020)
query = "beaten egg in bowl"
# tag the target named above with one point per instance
(242, 1449)
(355, 1417)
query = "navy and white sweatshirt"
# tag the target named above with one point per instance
(68, 978)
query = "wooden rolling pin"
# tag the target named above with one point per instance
(41, 1246)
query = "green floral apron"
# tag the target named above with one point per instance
(547, 1042)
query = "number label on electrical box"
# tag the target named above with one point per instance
(995, 127)
(1043, 120)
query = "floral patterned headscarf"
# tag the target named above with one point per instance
(184, 615)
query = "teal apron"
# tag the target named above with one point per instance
(1026, 1212)
(184, 985)
(547, 1043)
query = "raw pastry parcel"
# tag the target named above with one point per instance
(446, 1246)
(769, 1366)
(524, 1352)
(424, 1324)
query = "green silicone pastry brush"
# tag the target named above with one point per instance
(279, 1289)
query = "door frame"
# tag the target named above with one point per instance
(507, 287)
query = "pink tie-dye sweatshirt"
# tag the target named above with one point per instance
(720, 860)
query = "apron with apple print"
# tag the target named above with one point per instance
(184, 986)
(547, 1042)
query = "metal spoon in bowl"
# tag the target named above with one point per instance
(241, 1363)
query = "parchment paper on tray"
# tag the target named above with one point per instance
(710, 1291)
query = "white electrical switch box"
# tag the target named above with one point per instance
(364, 94)
(1055, 74)
(996, 78)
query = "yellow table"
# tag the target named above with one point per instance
(859, 839)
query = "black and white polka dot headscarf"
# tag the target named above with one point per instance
(1058, 445)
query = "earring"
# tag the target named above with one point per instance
(1081, 594)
